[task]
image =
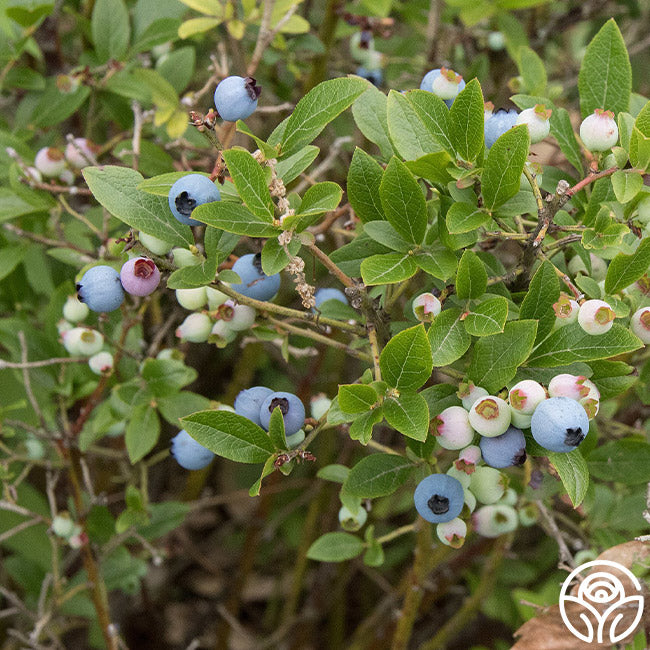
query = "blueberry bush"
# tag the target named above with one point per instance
(322, 324)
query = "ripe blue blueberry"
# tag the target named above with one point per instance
(375, 77)
(439, 498)
(236, 98)
(505, 450)
(292, 409)
(100, 288)
(254, 282)
(323, 295)
(188, 452)
(189, 192)
(249, 402)
(498, 123)
(559, 424)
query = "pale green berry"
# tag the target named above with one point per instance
(487, 484)
(191, 299)
(452, 533)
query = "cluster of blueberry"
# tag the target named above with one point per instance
(256, 404)
(52, 163)
(558, 418)
(371, 62)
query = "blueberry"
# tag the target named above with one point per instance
(100, 288)
(505, 450)
(236, 98)
(537, 119)
(598, 131)
(188, 452)
(430, 78)
(495, 520)
(249, 402)
(487, 484)
(439, 498)
(596, 317)
(452, 428)
(452, 533)
(189, 192)
(497, 124)
(375, 77)
(490, 416)
(559, 424)
(292, 409)
(322, 295)
(254, 282)
(640, 324)
(140, 276)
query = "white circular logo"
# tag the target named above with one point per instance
(601, 603)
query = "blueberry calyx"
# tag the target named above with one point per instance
(520, 457)
(438, 505)
(185, 204)
(281, 402)
(574, 436)
(143, 268)
(257, 262)
(253, 90)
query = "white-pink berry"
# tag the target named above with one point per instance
(74, 310)
(596, 317)
(490, 416)
(599, 131)
(80, 152)
(452, 428)
(525, 395)
(222, 334)
(452, 533)
(101, 362)
(468, 459)
(640, 324)
(469, 393)
(140, 276)
(49, 161)
(195, 328)
(537, 119)
(566, 385)
(426, 307)
(239, 317)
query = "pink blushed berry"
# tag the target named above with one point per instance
(566, 385)
(468, 459)
(452, 428)
(599, 131)
(81, 152)
(49, 161)
(101, 363)
(452, 533)
(490, 416)
(469, 393)
(596, 317)
(525, 395)
(426, 307)
(640, 324)
(140, 276)
(537, 119)
(566, 310)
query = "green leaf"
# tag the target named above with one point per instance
(350, 256)
(165, 377)
(487, 318)
(531, 68)
(369, 111)
(378, 475)
(471, 279)
(364, 179)
(408, 133)
(623, 270)
(235, 218)
(543, 292)
(250, 181)
(269, 468)
(403, 201)
(409, 414)
(318, 108)
(434, 114)
(626, 185)
(432, 167)
(437, 261)
(466, 121)
(504, 166)
(465, 217)
(276, 429)
(290, 167)
(448, 337)
(356, 398)
(142, 432)
(335, 473)
(274, 257)
(622, 461)
(178, 405)
(320, 198)
(116, 189)
(571, 343)
(388, 268)
(384, 233)
(110, 29)
(639, 149)
(406, 361)
(562, 131)
(159, 31)
(495, 359)
(605, 78)
(361, 428)
(229, 435)
(335, 547)
(573, 471)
